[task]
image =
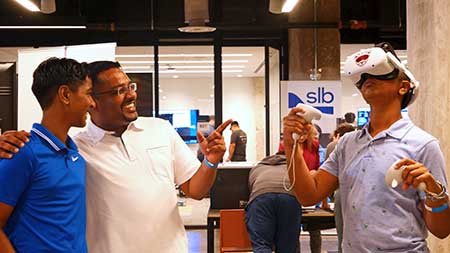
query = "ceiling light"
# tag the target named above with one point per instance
(183, 71)
(136, 67)
(185, 67)
(48, 6)
(5, 66)
(281, 6)
(239, 75)
(289, 5)
(202, 67)
(178, 55)
(196, 14)
(188, 61)
(44, 27)
(196, 29)
(29, 5)
(175, 76)
(198, 71)
(355, 94)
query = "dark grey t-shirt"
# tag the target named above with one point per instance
(239, 137)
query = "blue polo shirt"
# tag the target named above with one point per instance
(45, 183)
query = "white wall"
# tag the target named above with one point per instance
(187, 93)
(241, 101)
(28, 109)
(28, 59)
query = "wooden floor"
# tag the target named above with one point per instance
(194, 213)
(197, 242)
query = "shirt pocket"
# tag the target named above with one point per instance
(160, 161)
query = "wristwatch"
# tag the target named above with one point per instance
(437, 196)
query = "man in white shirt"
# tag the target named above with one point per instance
(132, 165)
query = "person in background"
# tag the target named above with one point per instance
(42, 188)
(349, 118)
(132, 165)
(337, 134)
(273, 214)
(238, 144)
(378, 217)
(312, 159)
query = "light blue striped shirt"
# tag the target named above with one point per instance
(378, 218)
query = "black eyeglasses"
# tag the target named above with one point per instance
(121, 90)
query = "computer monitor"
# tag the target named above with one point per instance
(184, 122)
(363, 116)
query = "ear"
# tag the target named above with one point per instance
(404, 87)
(64, 94)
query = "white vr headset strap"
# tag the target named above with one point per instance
(402, 68)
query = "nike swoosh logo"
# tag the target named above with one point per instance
(74, 158)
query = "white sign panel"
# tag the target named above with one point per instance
(323, 95)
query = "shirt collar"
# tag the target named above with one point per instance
(95, 134)
(397, 130)
(137, 125)
(52, 140)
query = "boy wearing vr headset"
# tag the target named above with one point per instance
(378, 217)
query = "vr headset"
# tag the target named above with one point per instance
(380, 64)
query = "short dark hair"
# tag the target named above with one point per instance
(54, 72)
(234, 123)
(97, 67)
(349, 117)
(343, 129)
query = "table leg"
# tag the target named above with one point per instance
(210, 235)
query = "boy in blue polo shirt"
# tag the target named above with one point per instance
(42, 188)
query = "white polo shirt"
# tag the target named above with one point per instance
(130, 192)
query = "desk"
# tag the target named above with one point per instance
(311, 220)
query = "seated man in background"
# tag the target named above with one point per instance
(272, 214)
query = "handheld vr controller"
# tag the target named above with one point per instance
(393, 177)
(309, 114)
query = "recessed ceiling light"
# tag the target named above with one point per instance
(164, 97)
(161, 90)
(178, 55)
(196, 29)
(239, 75)
(289, 5)
(29, 5)
(43, 27)
(175, 76)
(181, 61)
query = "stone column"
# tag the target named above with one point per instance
(428, 40)
(301, 40)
